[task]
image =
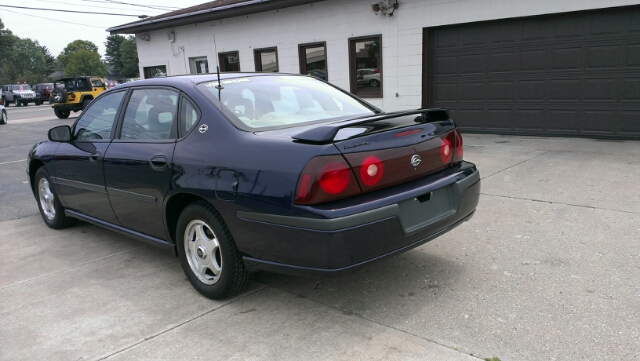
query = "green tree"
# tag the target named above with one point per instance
(7, 40)
(84, 62)
(129, 57)
(50, 60)
(74, 47)
(113, 55)
(29, 62)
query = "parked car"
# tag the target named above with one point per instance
(74, 94)
(370, 77)
(3, 113)
(256, 172)
(110, 83)
(19, 94)
(43, 91)
(318, 73)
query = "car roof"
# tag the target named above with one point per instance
(199, 78)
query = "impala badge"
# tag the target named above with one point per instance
(203, 128)
(415, 160)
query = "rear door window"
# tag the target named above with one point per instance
(151, 115)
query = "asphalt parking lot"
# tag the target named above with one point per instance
(547, 269)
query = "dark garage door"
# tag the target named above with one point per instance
(573, 74)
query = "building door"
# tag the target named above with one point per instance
(573, 74)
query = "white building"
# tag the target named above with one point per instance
(545, 67)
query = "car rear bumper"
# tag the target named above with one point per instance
(428, 208)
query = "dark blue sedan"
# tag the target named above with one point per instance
(255, 172)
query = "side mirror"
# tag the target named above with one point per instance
(61, 133)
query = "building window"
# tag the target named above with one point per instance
(199, 65)
(365, 66)
(313, 60)
(157, 71)
(266, 60)
(229, 61)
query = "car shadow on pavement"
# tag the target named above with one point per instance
(392, 283)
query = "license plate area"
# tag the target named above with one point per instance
(427, 209)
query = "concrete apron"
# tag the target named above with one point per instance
(546, 270)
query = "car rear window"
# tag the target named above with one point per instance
(263, 102)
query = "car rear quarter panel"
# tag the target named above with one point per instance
(267, 170)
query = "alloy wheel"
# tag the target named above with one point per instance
(47, 199)
(202, 249)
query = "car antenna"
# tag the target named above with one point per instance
(219, 86)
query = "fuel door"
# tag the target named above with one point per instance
(227, 185)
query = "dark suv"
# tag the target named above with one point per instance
(43, 91)
(19, 94)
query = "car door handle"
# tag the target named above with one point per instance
(95, 157)
(158, 162)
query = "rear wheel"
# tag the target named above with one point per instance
(208, 254)
(61, 114)
(85, 103)
(50, 208)
(374, 83)
(3, 117)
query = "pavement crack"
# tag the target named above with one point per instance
(557, 203)
(512, 166)
(361, 316)
(148, 338)
(69, 268)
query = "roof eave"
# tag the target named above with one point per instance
(222, 12)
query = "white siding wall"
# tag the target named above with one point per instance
(334, 22)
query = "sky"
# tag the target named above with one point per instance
(55, 29)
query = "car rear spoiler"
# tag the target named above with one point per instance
(326, 133)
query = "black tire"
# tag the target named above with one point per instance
(205, 254)
(49, 205)
(85, 103)
(3, 117)
(58, 95)
(374, 83)
(61, 114)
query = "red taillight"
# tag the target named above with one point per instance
(371, 170)
(458, 155)
(325, 179)
(446, 149)
(334, 178)
(377, 71)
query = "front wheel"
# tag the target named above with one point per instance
(50, 208)
(61, 114)
(208, 254)
(3, 119)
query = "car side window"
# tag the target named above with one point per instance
(151, 115)
(188, 117)
(97, 121)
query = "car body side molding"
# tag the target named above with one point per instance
(160, 243)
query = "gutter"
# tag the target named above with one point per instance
(201, 15)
